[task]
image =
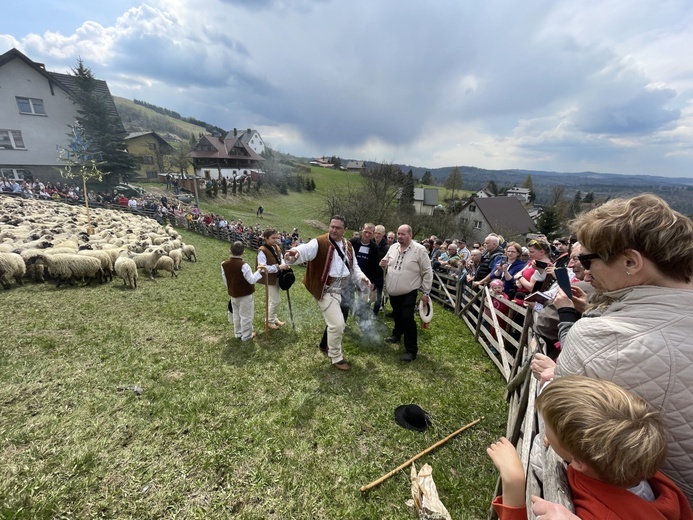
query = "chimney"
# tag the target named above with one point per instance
(235, 132)
(248, 132)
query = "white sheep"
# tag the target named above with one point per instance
(104, 258)
(189, 252)
(71, 268)
(177, 256)
(126, 268)
(11, 266)
(147, 261)
(165, 263)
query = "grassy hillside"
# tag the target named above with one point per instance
(137, 118)
(305, 210)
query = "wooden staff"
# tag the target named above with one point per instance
(418, 456)
(266, 276)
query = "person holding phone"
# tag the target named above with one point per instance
(511, 265)
(534, 275)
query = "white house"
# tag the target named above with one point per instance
(36, 107)
(251, 137)
(425, 200)
(521, 193)
(484, 194)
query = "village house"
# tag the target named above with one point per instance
(250, 137)
(149, 150)
(36, 109)
(225, 157)
(504, 216)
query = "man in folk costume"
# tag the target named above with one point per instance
(330, 264)
(270, 255)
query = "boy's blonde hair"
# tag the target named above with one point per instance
(615, 432)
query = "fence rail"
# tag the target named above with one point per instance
(509, 341)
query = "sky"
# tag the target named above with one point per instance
(556, 85)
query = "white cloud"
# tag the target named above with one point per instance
(500, 84)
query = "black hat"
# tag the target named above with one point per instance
(412, 417)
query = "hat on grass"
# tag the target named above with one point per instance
(412, 417)
(426, 311)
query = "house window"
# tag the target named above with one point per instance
(472, 207)
(477, 224)
(152, 175)
(465, 220)
(148, 159)
(31, 106)
(11, 140)
(152, 146)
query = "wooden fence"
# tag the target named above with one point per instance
(509, 341)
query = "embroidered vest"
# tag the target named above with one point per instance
(318, 269)
(271, 260)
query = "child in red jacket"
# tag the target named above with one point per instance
(614, 442)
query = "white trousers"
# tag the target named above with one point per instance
(274, 300)
(243, 314)
(334, 319)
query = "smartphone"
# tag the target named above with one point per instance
(563, 281)
(504, 259)
(540, 264)
(538, 297)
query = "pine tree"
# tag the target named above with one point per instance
(530, 186)
(103, 131)
(406, 199)
(549, 221)
(427, 178)
(454, 181)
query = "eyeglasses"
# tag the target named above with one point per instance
(586, 260)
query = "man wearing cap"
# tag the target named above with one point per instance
(330, 264)
(408, 272)
(462, 251)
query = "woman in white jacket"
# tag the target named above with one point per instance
(638, 254)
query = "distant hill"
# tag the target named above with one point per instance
(137, 118)
(677, 191)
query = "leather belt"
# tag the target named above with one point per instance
(336, 280)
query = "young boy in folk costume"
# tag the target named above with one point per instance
(270, 256)
(614, 442)
(240, 283)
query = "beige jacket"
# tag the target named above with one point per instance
(644, 342)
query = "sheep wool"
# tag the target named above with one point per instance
(165, 263)
(11, 266)
(126, 268)
(72, 268)
(189, 252)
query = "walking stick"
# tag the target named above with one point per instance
(417, 456)
(291, 312)
(266, 276)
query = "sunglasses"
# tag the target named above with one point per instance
(586, 260)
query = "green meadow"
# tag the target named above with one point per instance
(141, 404)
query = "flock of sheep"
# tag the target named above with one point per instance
(40, 239)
